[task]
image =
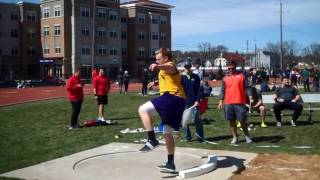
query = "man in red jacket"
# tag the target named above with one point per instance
(101, 88)
(75, 96)
(233, 98)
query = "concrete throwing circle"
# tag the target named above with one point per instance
(129, 164)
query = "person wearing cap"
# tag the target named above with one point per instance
(233, 100)
(191, 85)
(169, 105)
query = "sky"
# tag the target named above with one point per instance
(234, 22)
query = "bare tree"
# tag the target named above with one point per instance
(204, 49)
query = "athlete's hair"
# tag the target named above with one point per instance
(165, 52)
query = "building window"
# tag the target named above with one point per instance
(123, 51)
(123, 35)
(113, 14)
(46, 50)
(141, 35)
(31, 33)
(57, 11)
(0, 51)
(124, 20)
(14, 33)
(154, 19)
(101, 50)
(31, 51)
(31, 16)
(46, 31)
(101, 12)
(141, 18)
(113, 51)
(57, 49)
(163, 20)
(85, 31)
(163, 36)
(46, 12)
(57, 30)
(85, 11)
(85, 51)
(152, 52)
(141, 51)
(102, 31)
(14, 51)
(113, 34)
(14, 16)
(154, 35)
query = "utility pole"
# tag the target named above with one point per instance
(93, 35)
(281, 49)
(255, 54)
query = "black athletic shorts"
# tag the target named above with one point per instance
(102, 99)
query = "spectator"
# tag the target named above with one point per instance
(145, 81)
(191, 86)
(120, 80)
(233, 99)
(95, 72)
(197, 69)
(126, 80)
(170, 106)
(205, 92)
(286, 97)
(305, 74)
(75, 96)
(256, 103)
(315, 79)
(101, 88)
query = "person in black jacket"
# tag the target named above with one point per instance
(145, 81)
(126, 80)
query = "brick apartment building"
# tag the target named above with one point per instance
(125, 36)
(20, 46)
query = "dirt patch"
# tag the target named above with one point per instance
(281, 166)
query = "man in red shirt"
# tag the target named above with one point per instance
(233, 99)
(95, 72)
(75, 96)
(101, 88)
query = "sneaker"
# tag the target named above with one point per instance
(279, 124)
(238, 125)
(293, 124)
(108, 121)
(73, 127)
(234, 141)
(149, 146)
(248, 139)
(263, 125)
(166, 167)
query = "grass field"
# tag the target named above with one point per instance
(36, 132)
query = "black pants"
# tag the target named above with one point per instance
(296, 107)
(126, 85)
(144, 88)
(76, 107)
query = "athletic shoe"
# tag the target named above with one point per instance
(166, 167)
(238, 125)
(263, 125)
(293, 124)
(108, 121)
(234, 141)
(149, 146)
(248, 139)
(279, 124)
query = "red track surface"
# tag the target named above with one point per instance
(10, 96)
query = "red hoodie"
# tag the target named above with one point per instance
(74, 92)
